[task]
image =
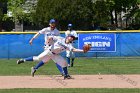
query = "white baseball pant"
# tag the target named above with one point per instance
(47, 55)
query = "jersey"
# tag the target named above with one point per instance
(73, 33)
(60, 45)
(48, 32)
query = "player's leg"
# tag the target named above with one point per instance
(68, 57)
(24, 60)
(62, 62)
(34, 58)
(40, 64)
(28, 59)
(59, 68)
(68, 61)
(72, 58)
(45, 57)
(72, 62)
(49, 54)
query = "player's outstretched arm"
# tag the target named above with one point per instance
(77, 50)
(85, 49)
(35, 36)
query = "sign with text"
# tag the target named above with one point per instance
(100, 42)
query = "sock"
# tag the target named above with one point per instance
(59, 68)
(41, 63)
(28, 59)
(68, 60)
(65, 71)
(72, 60)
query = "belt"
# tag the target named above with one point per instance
(52, 52)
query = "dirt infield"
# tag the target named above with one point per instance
(78, 81)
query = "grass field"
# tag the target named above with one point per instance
(81, 66)
(70, 91)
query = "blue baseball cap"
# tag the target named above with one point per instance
(69, 25)
(52, 21)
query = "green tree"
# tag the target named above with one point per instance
(83, 13)
(20, 11)
(101, 12)
(113, 10)
(76, 12)
(1, 17)
(1, 12)
(119, 6)
(135, 11)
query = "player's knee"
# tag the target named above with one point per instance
(36, 58)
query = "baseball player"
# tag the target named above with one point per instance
(48, 31)
(60, 44)
(70, 56)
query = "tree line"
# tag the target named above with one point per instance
(83, 14)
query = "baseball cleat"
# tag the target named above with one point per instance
(67, 77)
(62, 74)
(20, 61)
(33, 70)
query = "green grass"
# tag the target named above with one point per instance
(70, 90)
(81, 66)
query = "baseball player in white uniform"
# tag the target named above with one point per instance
(70, 56)
(48, 31)
(60, 44)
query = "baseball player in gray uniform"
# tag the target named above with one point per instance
(70, 56)
(60, 44)
(48, 31)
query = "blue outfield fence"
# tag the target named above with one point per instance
(17, 46)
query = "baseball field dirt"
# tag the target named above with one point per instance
(77, 81)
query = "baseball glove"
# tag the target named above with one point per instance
(86, 48)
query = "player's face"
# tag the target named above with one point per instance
(52, 25)
(69, 39)
(69, 28)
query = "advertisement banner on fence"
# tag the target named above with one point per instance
(100, 42)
